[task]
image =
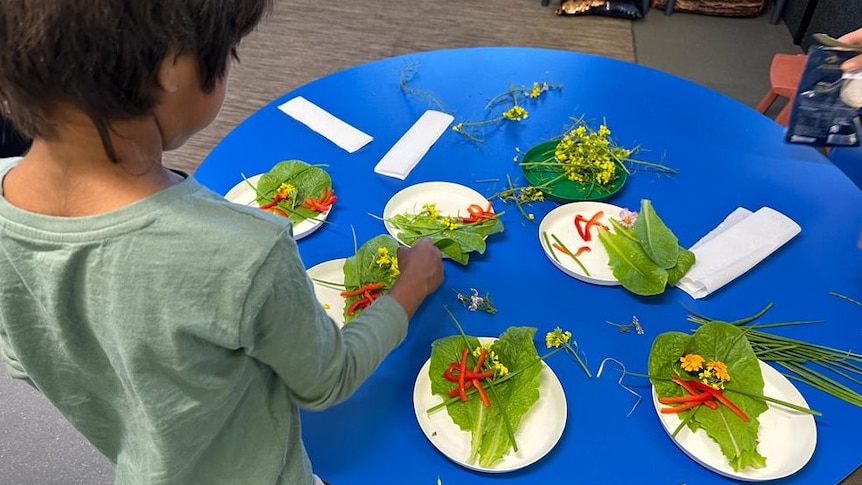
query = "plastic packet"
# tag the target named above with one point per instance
(826, 107)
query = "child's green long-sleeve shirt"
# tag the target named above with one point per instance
(180, 335)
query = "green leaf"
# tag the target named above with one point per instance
(683, 263)
(307, 180)
(631, 265)
(512, 399)
(455, 243)
(657, 240)
(727, 343)
(362, 268)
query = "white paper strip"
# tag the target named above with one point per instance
(735, 246)
(321, 121)
(414, 144)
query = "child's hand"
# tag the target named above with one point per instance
(421, 269)
(854, 64)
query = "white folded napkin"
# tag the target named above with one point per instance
(740, 242)
(321, 121)
(414, 144)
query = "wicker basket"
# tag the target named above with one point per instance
(723, 8)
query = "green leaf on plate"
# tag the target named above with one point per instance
(362, 268)
(456, 243)
(657, 240)
(647, 257)
(489, 441)
(631, 265)
(307, 180)
(726, 343)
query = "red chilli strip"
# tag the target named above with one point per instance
(480, 360)
(462, 371)
(703, 396)
(685, 385)
(594, 221)
(682, 407)
(721, 397)
(579, 225)
(485, 401)
(362, 289)
(582, 250)
(356, 305)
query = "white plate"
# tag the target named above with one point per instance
(450, 199)
(333, 272)
(786, 437)
(540, 429)
(561, 223)
(242, 194)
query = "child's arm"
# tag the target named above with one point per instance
(286, 328)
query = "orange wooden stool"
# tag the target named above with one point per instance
(784, 75)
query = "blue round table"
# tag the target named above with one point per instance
(727, 155)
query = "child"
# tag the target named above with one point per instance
(178, 332)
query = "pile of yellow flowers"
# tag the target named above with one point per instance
(589, 156)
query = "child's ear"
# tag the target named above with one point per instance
(168, 76)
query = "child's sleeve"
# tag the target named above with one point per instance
(286, 328)
(15, 369)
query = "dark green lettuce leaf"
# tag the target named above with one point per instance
(308, 180)
(727, 343)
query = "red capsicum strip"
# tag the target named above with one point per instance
(477, 214)
(685, 385)
(579, 225)
(466, 378)
(698, 398)
(367, 293)
(721, 397)
(582, 250)
(681, 407)
(362, 289)
(322, 204)
(462, 373)
(584, 225)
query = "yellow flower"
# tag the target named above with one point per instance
(536, 90)
(515, 113)
(604, 131)
(383, 258)
(393, 267)
(431, 210)
(449, 223)
(691, 362)
(285, 190)
(557, 337)
(492, 359)
(715, 374)
(719, 368)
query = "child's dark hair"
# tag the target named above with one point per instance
(102, 56)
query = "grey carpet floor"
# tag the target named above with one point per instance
(302, 41)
